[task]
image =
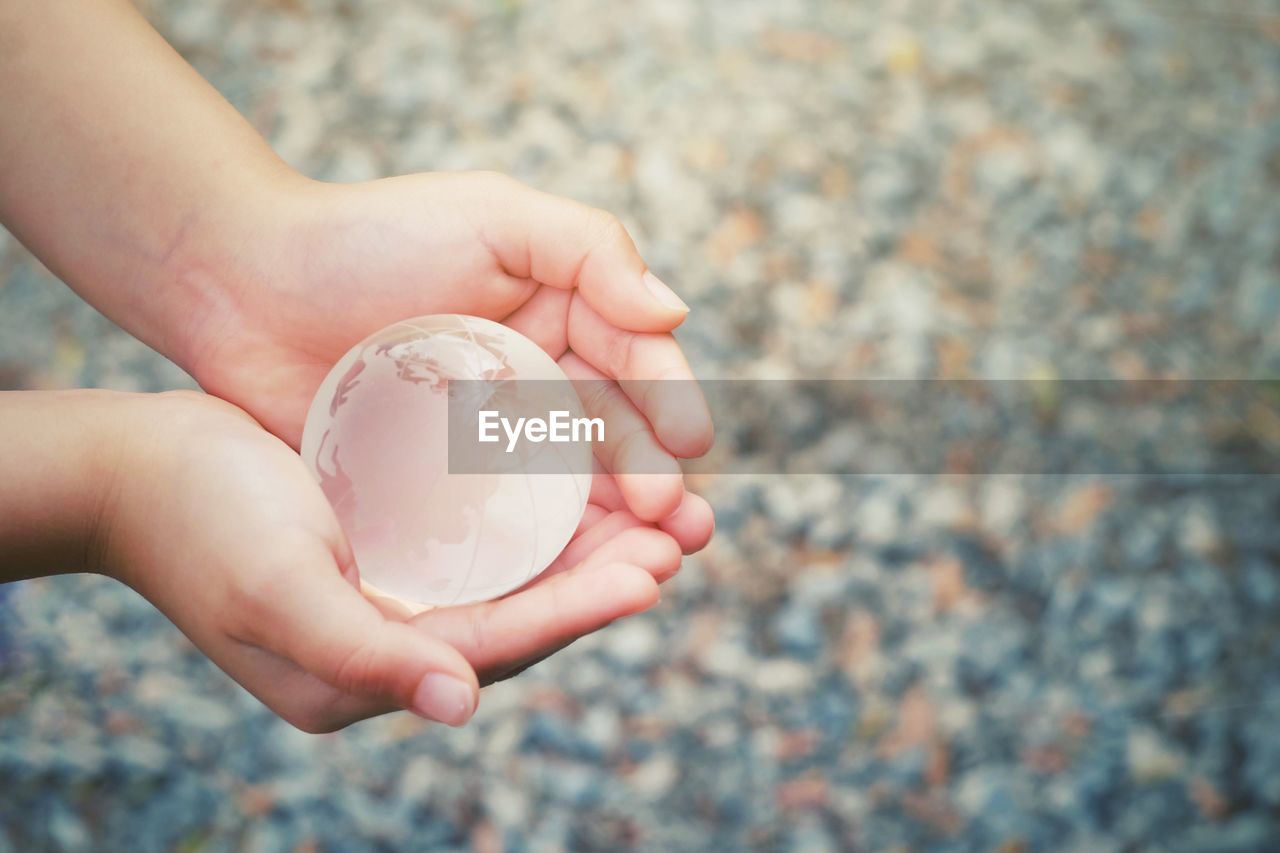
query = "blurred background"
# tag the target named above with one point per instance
(910, 189)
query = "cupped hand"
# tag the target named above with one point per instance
(221, 526)
(342, 261)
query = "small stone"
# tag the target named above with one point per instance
(1150, 758)
(943, 507)
(1002, 503)
(68, 830)
(1198, 531)
(778, 675)
(632, 643)
(655, 778)
(1257, 302)
(726, 659)
(601, 728)
(507, 805)
(876, 518)
(900, 51)
(798, 630)
(418, 779)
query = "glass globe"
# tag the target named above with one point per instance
(376, 437)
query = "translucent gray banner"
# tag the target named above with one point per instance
(877, 426)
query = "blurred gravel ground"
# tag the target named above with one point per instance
(904, 189)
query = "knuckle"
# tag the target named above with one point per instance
(627, 448)
(618, 353)
(254, 601)
(186, 402)
(479, 628)
(259, 593)
(356, 669)
(311, 706)
(493, 179)
(608, 228)
(557, 605)
(317, 708)
(602, 398)
(180, 394)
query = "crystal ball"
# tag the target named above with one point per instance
(376, 437)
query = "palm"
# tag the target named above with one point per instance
(259, 575)
(339, 278)
(435, 243)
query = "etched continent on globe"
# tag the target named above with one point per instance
(376, 437)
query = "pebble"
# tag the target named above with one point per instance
(634, 643)
(778, 675)
(798, 631)
(1149, 758)
(655, 778)
(876, 518)
(507, 805)
(68, 831)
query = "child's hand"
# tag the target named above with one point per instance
(220, 525)
(139, 186)
(336, 263)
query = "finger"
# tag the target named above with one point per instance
(567, 245)
(297, 696)
(632, 542)
(649, 549)
(652, 371)
(544, 319)
(315, 618)
(652, 550)
(497, 636)
(691, 525)
(582, 547)
(647, 475)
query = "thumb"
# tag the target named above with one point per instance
(319, 621)
(561, 243)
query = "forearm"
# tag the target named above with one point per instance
(59, 455)
(120, 168)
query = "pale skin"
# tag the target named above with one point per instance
(139, 186)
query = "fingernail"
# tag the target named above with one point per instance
(444, 698)
(663, 294)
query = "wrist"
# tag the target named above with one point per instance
(218, 264)
(147, 447)
(62, 454)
